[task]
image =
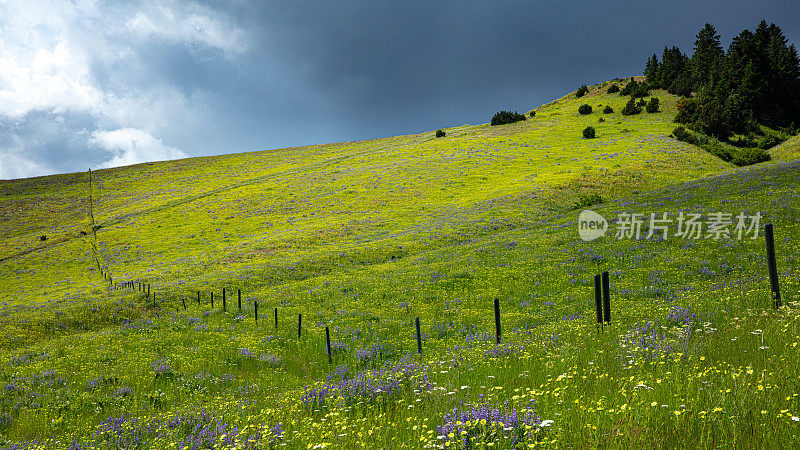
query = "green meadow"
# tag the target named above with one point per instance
(363, 237)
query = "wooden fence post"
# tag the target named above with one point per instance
(328, 344)
(497, 319)
(419, 338)
(606, 298)
(772, 266)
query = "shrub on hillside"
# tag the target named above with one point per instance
(687, 110)
(681, 134)
(584, 109)
(613, 88)
(744, 142)
(585, 201)
(631, 108)
(751, 156)
(583, 90)
(532, 113)
(711, 120)
(635, 89)
(769, 140)
(588, 133)
(504, 117)
(652, 105)
(440, 133)
(608, 110)
(643, 90)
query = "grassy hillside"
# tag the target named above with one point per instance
(788, 150)
(365, 236)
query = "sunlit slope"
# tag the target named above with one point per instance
(270, 218)
(552, 353)
(788, 150)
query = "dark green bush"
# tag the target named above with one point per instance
(601, 120)
(631, 108)
(770, 139)
(608, 110)
(585, 201)
(687, 110)
(584, 109)
(613, 88)
(504, 117)
(751, 156)
(532, 113)
(711, 121)
(583, 90)
(641, 103)
(744, 142)
(652, 105)
(440, 133)
(681, 134)
(588, 133)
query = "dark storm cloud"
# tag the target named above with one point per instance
(382, 68)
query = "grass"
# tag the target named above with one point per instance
(363, 237)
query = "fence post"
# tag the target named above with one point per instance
(224, 305)
(419, 338)
(255, 306)
(198, 297)
(299, 324)
(497, 319)
(239, 294)
(183, 300)
(212, 299)
(328, 344)
(772, 266)
(276, 318)
(606, 298)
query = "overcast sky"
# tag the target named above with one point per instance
(90, 83)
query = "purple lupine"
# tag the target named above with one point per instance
(161, 368)
(365, 385)
(488, 423)
(277, 434)
(681, 316)
(122, 392)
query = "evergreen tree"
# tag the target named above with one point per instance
(707, 58)
(631, 108)
(674, 63)
(651, 71)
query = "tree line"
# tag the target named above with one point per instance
(734, 93)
